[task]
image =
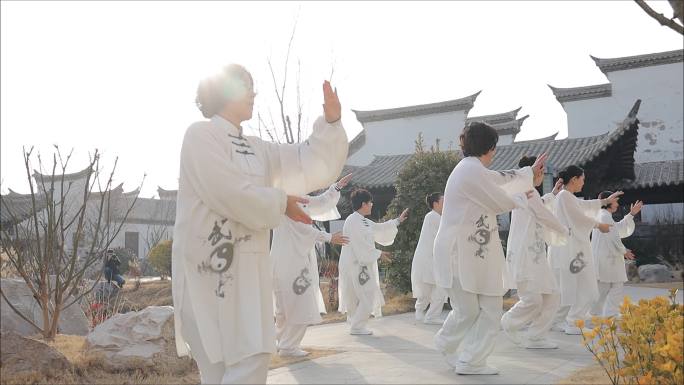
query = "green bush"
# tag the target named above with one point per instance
(426, 172)
(160, 258)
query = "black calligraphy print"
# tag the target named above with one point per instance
(216, 235)
(481, 237)
(363, 275)
(302, 282)
(538, 247)
(577, 264)
(508, 174)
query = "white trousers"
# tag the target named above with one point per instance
(474, 321)
(434, 297)
(358, 313)
(251, 370)
(289, 336)
(611, 295)
(536, 309)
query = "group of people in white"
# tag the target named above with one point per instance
(232, 276)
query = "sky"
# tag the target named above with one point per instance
(121, 77)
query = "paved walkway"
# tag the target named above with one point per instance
(402, 352)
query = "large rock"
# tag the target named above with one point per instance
(72, 320)
(24, 356)
(138, 336)
(655, 273)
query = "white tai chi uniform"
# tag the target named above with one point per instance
(297, 293)
(609, 259)
(359, 290)
(573, 263)
(232, 190)
(422, 277)
(528, 269)
(469, 259)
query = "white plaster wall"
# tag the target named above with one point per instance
(397, 136)
(505, 139)
(142, 230)
(660, 89)
(664, 213)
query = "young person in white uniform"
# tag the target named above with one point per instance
(232, 190)
(609, 257)
(359, 282)
(469, 259)
(528, 269)
(573, 263)
(422, 277)
(296, 290)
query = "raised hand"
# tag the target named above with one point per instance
(636, 207)
(294, 212)
(403, 215)
(343, 181)
(331, 103)
(538, 166)
(529, 194)
(614, 197)
(339, 239)
(558, 186)
(385, 256)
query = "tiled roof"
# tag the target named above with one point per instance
(383, 170)
(67, 177)
(148, 211)
(167, 194)
(629, 62)
(16, 207)
(462, 104)
(655, 174)
(580, 93)
(504, 123)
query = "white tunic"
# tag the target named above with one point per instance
(608, 249)
(358, 264)
(232, 190)
(467, 242)
(421, 266)
(295, 265)
(532, 227)
(574, 260)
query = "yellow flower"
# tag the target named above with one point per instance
(579, 323)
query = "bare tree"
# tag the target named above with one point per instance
(66, 232)
(677, 15)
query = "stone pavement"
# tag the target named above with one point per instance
(402, 352)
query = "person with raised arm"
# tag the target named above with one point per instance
(233, 189)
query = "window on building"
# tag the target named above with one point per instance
(131, 242)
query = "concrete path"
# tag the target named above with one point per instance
(402, 352)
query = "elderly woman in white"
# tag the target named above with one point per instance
(232, 190)
(297, 294)
(609, 257)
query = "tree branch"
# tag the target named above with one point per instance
(660, 17)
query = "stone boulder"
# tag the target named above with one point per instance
(25, 356)
(134, 337)
(72, 320)
(655, 273)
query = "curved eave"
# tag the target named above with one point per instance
(637, 61)
(581, 93)
(462, 104)
(67, 177)
(496, 118)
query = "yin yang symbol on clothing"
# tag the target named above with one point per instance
(481, 237)
(302, 282)
(577, 263)
(363, 275)
(222, 257)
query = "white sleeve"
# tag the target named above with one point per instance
(385, 232)
(493, 189)
(314, 164)
(323, 236)
(223, 187)
(626, 226)
(579, 214)
(556, 233)
(320, 204)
